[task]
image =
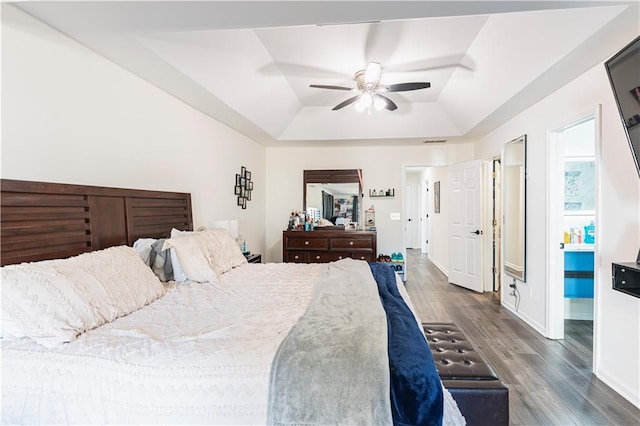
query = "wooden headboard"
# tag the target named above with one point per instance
(51, 220)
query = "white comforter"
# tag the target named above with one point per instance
(200, 354)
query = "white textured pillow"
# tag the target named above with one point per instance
(54, 301)
(223, 250)
(193, 255)
(10, 328)
(178, 272)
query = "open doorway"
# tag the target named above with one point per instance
(416, 213)
(573, 215)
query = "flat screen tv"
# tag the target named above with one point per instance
(624, 74)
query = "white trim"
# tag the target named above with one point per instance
(597, 250)
(487, 225)
(555, 291)
(626, 392)
(555, 311)
(527, 319)
(439, 266)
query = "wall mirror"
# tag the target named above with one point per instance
(514, 190)
(335, 195)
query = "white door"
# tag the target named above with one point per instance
(424, 218)
(465, 243)
(409, 216)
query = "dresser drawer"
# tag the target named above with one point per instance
(325, 256)
(297, 257)
(305, 243)
(352, 243)
(367, 256)
(321, 246)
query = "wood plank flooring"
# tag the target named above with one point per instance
(550, 382)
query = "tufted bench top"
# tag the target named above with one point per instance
(482, 398)
(454, 356)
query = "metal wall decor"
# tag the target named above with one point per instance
(243, 187)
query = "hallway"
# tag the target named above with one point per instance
(550, 382)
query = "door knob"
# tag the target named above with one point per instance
(477, 232)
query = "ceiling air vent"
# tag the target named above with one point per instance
(436, 141)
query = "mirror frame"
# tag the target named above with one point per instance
(522, 206)
(331, 176)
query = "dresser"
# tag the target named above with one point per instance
(327, 246)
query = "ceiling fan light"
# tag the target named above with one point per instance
(372, 73)
(364, 102)
(379, 103)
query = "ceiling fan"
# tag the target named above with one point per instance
(368, 83)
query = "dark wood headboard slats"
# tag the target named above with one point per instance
(41, 220)
(51, 239)
(44, 253)
(9, 214)
(160, 220)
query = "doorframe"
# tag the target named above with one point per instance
(496, 223)
(424, 216)
(411, 193)
(554, 228)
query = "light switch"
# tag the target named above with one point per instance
(395, 216)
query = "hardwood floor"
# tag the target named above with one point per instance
(550, 382)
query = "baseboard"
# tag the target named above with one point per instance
(618, 387)
(439, 266)
(528, 320)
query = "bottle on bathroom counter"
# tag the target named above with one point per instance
(590, 233)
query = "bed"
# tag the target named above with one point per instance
(234, 343)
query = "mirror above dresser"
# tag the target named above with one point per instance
(331, 194)
(335, 195)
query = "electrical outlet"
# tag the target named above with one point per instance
(395, 216)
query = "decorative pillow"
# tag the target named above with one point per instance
(193, 255)
(9, 327)
(178, 271)
(54, 301)
(224, 250)
(152, 253)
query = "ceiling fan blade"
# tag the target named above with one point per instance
(372, 74)
(388, 103)
(345, 103)
(323, 86)
(405, 87)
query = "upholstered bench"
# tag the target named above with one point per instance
(481, 396)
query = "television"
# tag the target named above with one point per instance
(623, 70)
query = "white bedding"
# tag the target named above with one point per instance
(200, 354)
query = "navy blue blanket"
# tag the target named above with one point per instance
(416, 392)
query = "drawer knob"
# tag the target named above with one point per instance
(317, 257)
(339, 257)
(296, 257)
(350, 243)
(306, 243)
(623, 270)
(361, 257)
(623, 282)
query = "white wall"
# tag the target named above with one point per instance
(72, 116)
(382, 168)
(617, 314)
(439, 223)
